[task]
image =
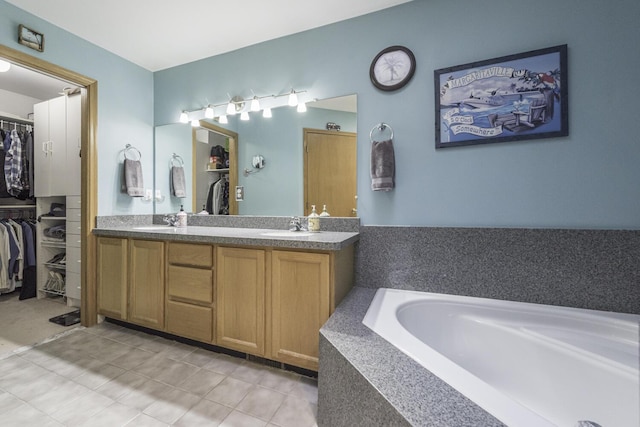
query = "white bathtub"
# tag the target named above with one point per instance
(526, 364)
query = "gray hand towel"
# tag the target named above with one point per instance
(133, 178)
(383, 166)
(178, 183)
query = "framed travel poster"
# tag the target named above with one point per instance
(512, 98)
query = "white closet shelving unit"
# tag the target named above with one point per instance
(58, 180)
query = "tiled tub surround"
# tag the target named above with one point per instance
(364, 380)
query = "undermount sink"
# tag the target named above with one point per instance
(286, 233)
(152, 227)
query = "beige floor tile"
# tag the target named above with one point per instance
(28, 416)
(144, 395)
(173, 406)
(223, 364)
(77, 412)
(114, 415)
(30, 388)
(8, 402)
(295, 412)
(199, 357)
(132, 358)
(175, 372)
(155, 344)
(201, 382)
(65, 393)
(144, 420)
(261, 403)
(307, 388)
(229, 392)
(249, 372)
(239, 419)
(177, 351)
(204, 414)
(122, 385)
(279, 380)
(94, 378)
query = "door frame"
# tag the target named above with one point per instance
(89, 161)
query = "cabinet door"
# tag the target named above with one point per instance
(112, 277)
(58, 174)
(240, 297)
(300, 287)
(146, 283)
(41, 149)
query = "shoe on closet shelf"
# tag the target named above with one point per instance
(57, 258)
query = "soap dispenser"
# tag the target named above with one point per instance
(181, 218)
(204, 211)
(324, 211)
(313, 220)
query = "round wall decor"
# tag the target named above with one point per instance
(392, 68)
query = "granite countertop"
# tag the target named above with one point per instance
(323, 240)
(421, 397)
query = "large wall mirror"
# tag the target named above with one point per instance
(305, 160)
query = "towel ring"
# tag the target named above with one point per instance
(175, 156)
(131, 147)
(380, 127)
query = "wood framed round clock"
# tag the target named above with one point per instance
(392, 68)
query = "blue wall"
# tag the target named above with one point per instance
(590, 179)
(125, 102)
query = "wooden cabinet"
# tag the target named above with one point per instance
(300, 304)
(190, 302)
(262, 301)
(112, 277)
(240, 299)
(146, 283)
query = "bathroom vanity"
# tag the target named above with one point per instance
(258, 291)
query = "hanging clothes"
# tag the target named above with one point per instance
(17, 256)
(13, 165)
(217, 203)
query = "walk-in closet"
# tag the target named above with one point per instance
(40, 181)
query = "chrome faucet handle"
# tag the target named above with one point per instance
(294, 224)
(171, 220)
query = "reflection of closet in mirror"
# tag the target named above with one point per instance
(208, 171)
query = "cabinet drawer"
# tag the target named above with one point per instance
(189, 254)
(73, 227)
(73, 259)
(72, 282)
(190, 283)
(73, 214)
(190, 321)
(74, 202)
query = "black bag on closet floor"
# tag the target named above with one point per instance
(28, 289)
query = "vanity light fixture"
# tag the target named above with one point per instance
(208, 112)
(255, 104)
(293, 98)
(195, 123)
(237, 104)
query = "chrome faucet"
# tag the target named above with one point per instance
(171, 220)
(296, 224)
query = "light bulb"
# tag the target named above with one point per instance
(231, 108)
(255, 104)
(244, 116)
(302, 107)
(293, 98)
(266, 113)
(184, 117)
(208, 112)
(223, 119)
(4, 66)
(195, 123)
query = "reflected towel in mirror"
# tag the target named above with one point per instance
(178, 183)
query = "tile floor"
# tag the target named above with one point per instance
(113, 376)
